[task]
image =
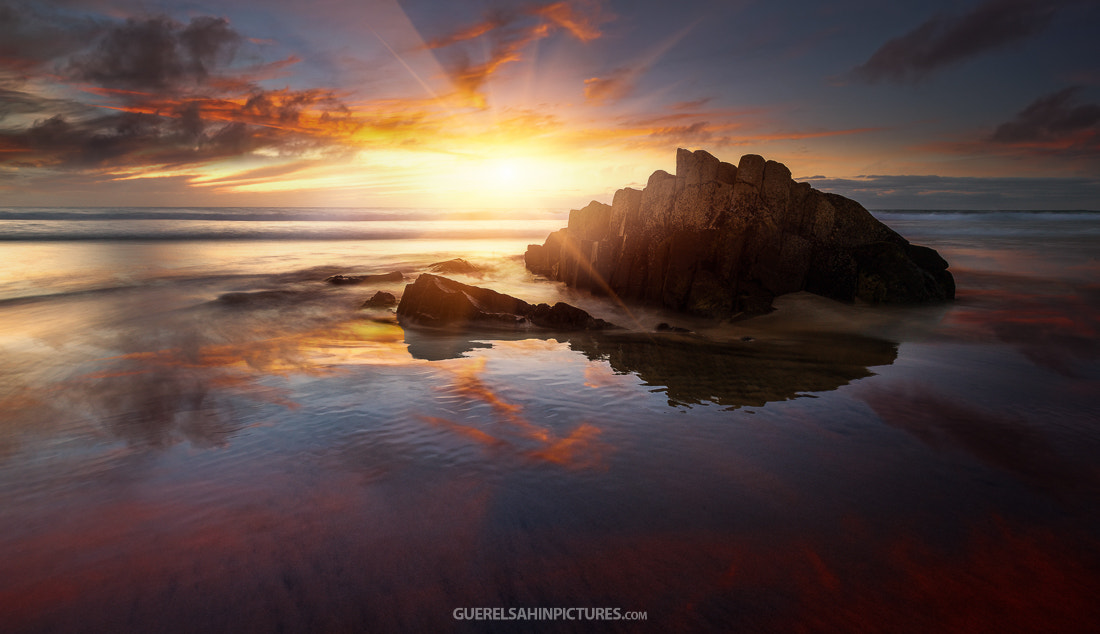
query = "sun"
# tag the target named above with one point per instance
(507, 175)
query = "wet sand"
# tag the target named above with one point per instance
(285, 461)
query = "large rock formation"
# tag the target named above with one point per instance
(719, 240)
(443, 303)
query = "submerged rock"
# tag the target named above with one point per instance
(393, 276)
(457, 266)
(381, 299)
(719, 240)
(443, 303)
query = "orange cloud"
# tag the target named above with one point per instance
(510, 34)
(584, 27)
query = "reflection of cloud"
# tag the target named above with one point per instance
(945, 39)
(1059, 332)
(1003, 441)
(515, 433)
(175, 382)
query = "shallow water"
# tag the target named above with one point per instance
(174, 458)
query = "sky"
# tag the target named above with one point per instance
(992, 104)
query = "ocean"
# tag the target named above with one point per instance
(198, 433)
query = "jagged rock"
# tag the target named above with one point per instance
(457, 266)
(720, 240)
(381, 299)
(444, 303)
(393, 276)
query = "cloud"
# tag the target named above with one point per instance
(168, 94)
(159, 53)
(620, 82)
(959, 192)
(582, 25)
(509, 33)
(34, 34)
(944, 39)
(617, 85)
(1054, 130)
(1053, 118)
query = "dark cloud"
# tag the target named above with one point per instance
(947, 39)
(159, 53)
(947, 192)
(177, 135)
(175, 96)
(35, 34)
(1052, 118)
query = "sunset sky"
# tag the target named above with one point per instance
(470, 103)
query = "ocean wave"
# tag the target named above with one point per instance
(272, 214)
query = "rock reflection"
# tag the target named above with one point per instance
(692, 370)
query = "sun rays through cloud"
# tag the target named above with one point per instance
(548, 103)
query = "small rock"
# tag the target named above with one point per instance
(457, 266)
(393, 276)
(440, 302)
(664, 327)
(381, 299)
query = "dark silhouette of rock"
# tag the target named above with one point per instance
(721, 240)
(393, 276)
(381, 299)
(457, 266)
(440, 302)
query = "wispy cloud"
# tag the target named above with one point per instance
(613, 87)
(620, 83)
(948, 39)
(509, 32)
